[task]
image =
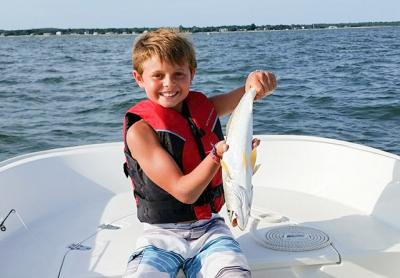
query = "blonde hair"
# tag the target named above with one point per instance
(167, 44)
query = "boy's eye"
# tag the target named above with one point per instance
(157, 75)
(179, 74)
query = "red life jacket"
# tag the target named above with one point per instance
(187, 137)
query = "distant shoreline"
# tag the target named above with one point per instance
(194, 29)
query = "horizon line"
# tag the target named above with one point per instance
(210, 26)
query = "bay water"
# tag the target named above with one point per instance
(58, 91)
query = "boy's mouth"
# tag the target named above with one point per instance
(168, 94)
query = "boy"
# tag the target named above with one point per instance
(173, 146)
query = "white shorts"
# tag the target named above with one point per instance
(205, 248)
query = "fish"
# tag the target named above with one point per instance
(239, 162)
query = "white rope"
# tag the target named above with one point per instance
(286, 237)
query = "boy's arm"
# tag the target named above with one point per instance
(263, 81)
(160, 167)
(225, 103)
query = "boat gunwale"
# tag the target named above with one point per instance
(20, 159)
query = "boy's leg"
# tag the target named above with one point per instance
(153, 262)
(159, 253)
(220, 255)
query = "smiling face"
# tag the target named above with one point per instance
(165, 84)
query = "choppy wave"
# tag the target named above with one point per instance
(51, 80)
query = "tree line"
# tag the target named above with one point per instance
(193, 29)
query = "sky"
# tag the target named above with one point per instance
(27, 14)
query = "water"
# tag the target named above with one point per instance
(71, 90)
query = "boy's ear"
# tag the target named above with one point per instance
(193, 72)
(138, 78)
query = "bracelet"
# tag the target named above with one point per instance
(214, 155)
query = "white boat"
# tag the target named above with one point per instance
(323, 208)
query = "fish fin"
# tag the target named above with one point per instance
(244, 161)
(253, 158)
(256, 168)
(226, 168)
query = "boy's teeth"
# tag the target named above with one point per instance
(168, 94)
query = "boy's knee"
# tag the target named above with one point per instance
(133, 265)
(233, 271)
(153, 262)
(133, 271)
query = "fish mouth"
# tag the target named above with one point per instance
(232, 218)
(234, 222)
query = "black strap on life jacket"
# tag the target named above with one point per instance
(209, 194)
(206, 197)
(197, 132)
(126, 171)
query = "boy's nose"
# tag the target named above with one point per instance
(168, 81)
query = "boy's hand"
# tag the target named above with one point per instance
(221, 147)
(263, 81)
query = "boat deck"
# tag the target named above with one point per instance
(75, 215)
(80, 247)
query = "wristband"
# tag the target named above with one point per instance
(214, 155)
